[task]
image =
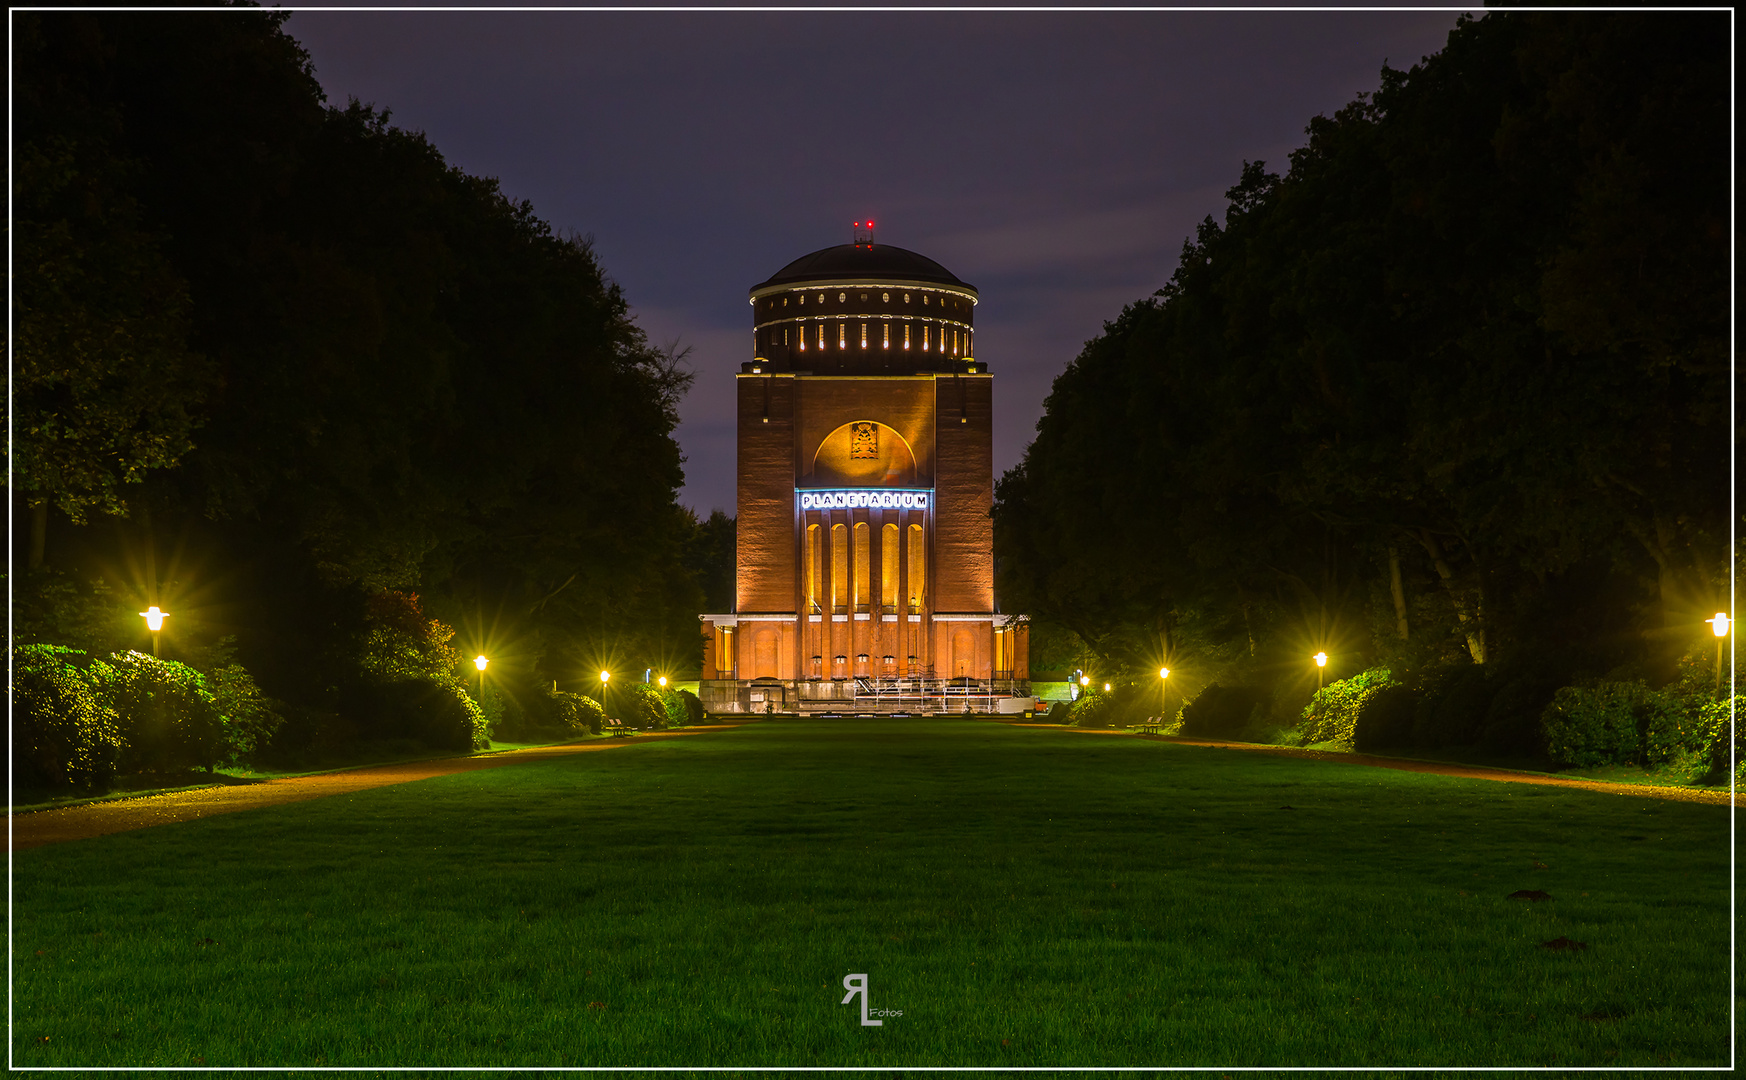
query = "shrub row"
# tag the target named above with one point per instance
(1605, 722)
(80, 721)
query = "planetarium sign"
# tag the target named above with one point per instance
(878, 499)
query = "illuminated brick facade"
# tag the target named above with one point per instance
(865, 549)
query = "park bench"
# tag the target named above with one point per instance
(614, 728)
(1154, 725)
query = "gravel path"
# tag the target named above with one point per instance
(123, 815)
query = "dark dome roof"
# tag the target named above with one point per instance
(863, 262)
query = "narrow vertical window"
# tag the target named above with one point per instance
(839, 569)
(925, 331)
(842, 335)
(906, 335)
(918, 571)
(863, 335)
(888, 568)
(821, 337)
(812, 569)
(863, 570)
(887, 343)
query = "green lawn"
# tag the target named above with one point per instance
(1024, 896)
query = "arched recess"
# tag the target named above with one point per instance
(864, 453)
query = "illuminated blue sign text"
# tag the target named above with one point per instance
(872, 500)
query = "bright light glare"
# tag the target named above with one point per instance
(1719, 624)
(1163, 673)
(155, 619)
(1084, 680)
(480, 662)
(1321, 659)
(605, 675)
(663, 681)
(1106, 688)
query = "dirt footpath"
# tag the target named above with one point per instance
(1475, 772)
(122, 815)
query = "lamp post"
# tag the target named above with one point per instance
(1321, 660)
(480, 662)
(1719, 624)
(155, 622)
(605, 676)
(1164, 693)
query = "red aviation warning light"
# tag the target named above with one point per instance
(864, 234)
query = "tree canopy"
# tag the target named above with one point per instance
(288, 341)
(1453, 387)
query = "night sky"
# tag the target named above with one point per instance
(1055, 161)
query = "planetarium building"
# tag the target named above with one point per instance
(865, 579)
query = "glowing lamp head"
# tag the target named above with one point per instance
(1106, 688)
(480, 662)
(605, 675)
(1321, 659)
(1719, 624)
(155, 619)
(662, 681)
(1084, 680)
(1163, 673)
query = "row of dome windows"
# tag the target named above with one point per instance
(959, 343)
(884, 297)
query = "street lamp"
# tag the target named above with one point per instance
(1321, 660)
(480, 662)
(1164, 694)
(662, 681)
(155, 622)
(1719, 624)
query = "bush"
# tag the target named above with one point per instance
(648, 708)
(1092, 710)
(678, 714)
(692, 705)
(168, 718)
(1712, 721)
(575, 713)
(1512, 720)
(1453, 709)
(62, 733)
(441, 715)
(250, 718)
(1332, 715)
(1617, 723)
(1223, 712)
(1385, 718)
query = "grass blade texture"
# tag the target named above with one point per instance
(1024, 896)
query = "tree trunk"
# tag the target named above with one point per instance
(39, 519)
(1470, 625)
(1394, 584)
